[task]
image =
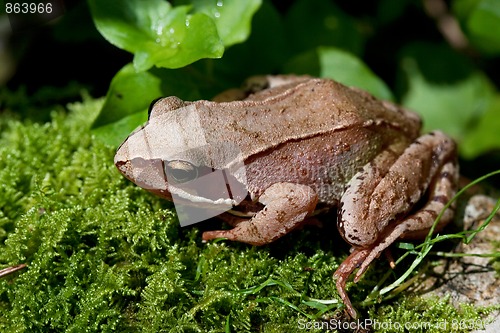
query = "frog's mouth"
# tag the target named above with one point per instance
(216, 188)
(205, 197)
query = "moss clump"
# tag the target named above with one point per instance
(428, 315)
(105, 256)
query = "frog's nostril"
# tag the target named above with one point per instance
(123, 167)
(120, 164)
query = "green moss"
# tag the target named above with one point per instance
(414, 314)
(104, 256)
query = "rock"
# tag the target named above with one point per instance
(471, 279)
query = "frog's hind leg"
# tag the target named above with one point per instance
(383, 205)
(361, 258)
(345, 270)
(418, 224)
(286, 207)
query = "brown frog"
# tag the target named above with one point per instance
(293, 146)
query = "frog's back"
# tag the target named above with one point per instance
(300, 110)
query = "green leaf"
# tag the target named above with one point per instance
(341, 66)
(126, 103)
(313, 23)
(116, 132)
(233, 18)
(447, 91)
(462, 8)
(131, 93)
(157, 33)
(262, 53)
(304, 63)
(350, 70)
(484, 136)
(389, 10)
(447, 107)
(484, 27)
(481, 18)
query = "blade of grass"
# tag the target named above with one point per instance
(461, 255)
(426, 246)
(227, 326)
(269, 282)
(285, 302)
(318, 304)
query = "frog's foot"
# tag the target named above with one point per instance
(286, 207)
(342, 275)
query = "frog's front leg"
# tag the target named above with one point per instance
(374, 209)
(286, 207)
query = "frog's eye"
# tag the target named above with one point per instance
(180, 171)
(151, 106)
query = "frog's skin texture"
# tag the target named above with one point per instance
(305, 144)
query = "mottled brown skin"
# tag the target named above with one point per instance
(303, 142)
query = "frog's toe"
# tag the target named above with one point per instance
(342, 275)
(210, 235)
(244, 232)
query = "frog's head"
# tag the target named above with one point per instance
(171, 157)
